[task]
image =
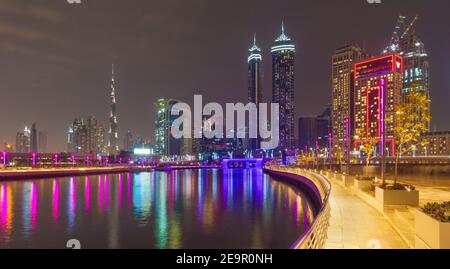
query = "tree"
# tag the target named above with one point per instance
(411, 122)
(368, 147)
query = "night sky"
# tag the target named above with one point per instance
(56, 58)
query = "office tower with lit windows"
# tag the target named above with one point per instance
(406, 43)
(166, 144)
(255, 85)
(91, 128)
(100, 147)
(86, 137)
(343, 61)
(128, 141)
(23, 141)
(113, 144)
(378, 86)
(283, 87)
(33, 138)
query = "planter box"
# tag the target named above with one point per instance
(433, 233)
(347, 180)
(397, 197)
(362, 185)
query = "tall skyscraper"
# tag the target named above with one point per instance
(70, 139)
(342, 113)
(91, 129)
(128, 141)
(113, 145)
(42, 142)
(378, 86)
(283, 60)
(86, 137)
(406, 43)
(254, 83)
(166, 144)
(100, 147)
(33, 138)
(23, 141)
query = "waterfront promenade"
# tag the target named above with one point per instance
(11, 174)
(355, 224)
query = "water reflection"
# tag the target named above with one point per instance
(177, 209)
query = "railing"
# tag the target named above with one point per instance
(316, 236)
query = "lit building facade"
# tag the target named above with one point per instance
(128, 141)
(86, 137)
(438, 144)
(378, 86)
(342, 108)
(416, 65)
(113, 141)
(33, 138)
(23, 141)
(255, 85)
(283, 87)
(165, 143)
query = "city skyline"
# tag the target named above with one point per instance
(81, 87)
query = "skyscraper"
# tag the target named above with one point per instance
(113, 145)
(128, 141)
(254, 83)
(283, 60)
(166, 144)
(86, 137)
(23, 141)
(406, 43)
(91, 129)
(33, 138)
(378, 85)
(342, 113)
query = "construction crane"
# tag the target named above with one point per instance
(393, 45)
(410, 26)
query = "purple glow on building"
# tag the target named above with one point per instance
(347, 139)
(34, 159)
(56, 159)
(4, 158)
(382, 86)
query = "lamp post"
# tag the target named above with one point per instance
(33, 159)
(4, 158)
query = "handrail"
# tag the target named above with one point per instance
(316, 236)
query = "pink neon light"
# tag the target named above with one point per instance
(4, 158)
(120, 191)
(73, 196)
(34, 205)
(347, 139)
(87, 194)
(55, 200)
(382, 119)
(34, 159)
(100, 193)
(106, 192)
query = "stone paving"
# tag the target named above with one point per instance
(356, 225)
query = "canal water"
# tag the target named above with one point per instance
(177, 209)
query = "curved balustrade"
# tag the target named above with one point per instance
(316, 236)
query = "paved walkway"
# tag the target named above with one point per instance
(354, 224)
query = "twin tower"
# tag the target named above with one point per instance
(283, 60)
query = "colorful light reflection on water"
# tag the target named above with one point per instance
(177, 209)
